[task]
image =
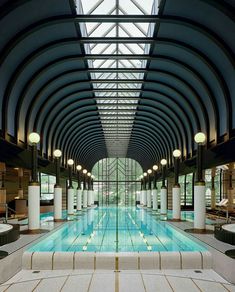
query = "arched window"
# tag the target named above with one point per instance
(117, 181)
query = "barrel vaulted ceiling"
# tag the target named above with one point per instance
(115, 78)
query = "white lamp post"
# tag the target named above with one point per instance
(70, 163)
(84, 189)
(199, 187)
(79, 189)
(176, 188)
(163, 188)
(34, 187)
(154, 191)
(149, 191)
(89, 191)
(57, 188)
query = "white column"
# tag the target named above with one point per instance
(144, 197)
(70, 201)
(57, 203)
(199, 207)
(89, 194)
(34, 207)
(149, 198)
(84, 200)
(163, 200)
(155, 204)
(79, 200)
(176, 202)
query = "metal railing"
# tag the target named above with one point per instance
(7, 209)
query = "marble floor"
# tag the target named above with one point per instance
(121, 281)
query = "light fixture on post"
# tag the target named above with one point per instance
(163, 189)
(199, 187)
(145, 189)
(34, 187)
(84, 189)
(154, 191)
(79, 188)
(70, 163)
(149, 191)
(57, 188)
(89, 194)
(176, 188)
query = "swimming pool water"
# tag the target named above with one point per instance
(114, 229)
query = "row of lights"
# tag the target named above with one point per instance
(199, 138)
(34, 138)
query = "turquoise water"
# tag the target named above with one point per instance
(117, 229)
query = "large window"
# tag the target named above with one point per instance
(47, 186)
(117, 181)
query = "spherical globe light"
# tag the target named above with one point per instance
(200, 138)
(93, 177)
(163, 162)
(70, 162)
(34, 138)
(145, 173)
(79, 167)
(88, 174)
(155, 167)
(176, 153)
(141, 177)
(149, 171)
(84, 171)
(57, 153)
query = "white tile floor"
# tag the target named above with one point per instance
(123, 281)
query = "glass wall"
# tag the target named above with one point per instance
(186, 184)
(117, 181)
(47, 183)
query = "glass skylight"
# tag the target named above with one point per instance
(117, 54)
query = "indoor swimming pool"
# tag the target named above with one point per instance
(121, 229)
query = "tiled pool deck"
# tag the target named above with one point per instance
(138, 280)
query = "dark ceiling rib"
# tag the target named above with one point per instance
(61, 134)
(164, 127)
(52, 127)
(57, 141)
(68, 116)
(152, 107)
(168, 143)
(41, 109)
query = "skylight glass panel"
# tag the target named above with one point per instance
(117, 100)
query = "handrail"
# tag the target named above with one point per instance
(6, 210)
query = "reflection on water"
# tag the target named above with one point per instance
(117, 229)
